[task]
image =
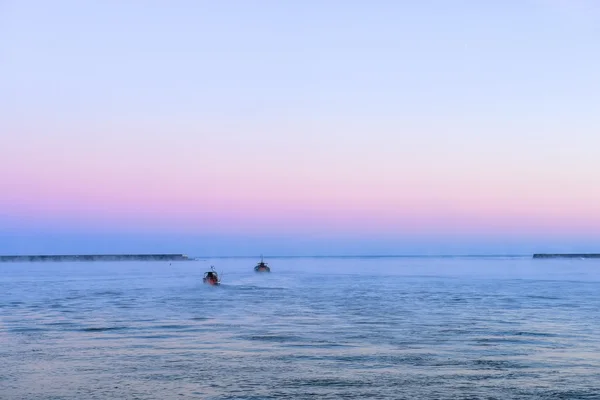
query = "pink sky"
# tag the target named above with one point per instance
(371, 120)
(85, 192)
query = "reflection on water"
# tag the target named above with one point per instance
(314, 328)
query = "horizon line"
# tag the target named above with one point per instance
(373, 256)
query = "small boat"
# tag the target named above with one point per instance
(211, 277)
(262, 266)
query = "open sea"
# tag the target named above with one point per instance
(315, 328)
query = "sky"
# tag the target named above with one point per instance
(299, 128)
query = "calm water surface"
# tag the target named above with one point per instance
(323, 328)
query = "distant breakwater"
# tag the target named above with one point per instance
(590, 255)
(96, 257)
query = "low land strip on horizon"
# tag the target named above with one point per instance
(587, 255)
(96, 257)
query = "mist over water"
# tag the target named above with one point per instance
(353, 328)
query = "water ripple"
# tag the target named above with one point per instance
(361, 331)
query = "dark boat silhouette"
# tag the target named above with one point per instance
(262, 266)
(211, 277)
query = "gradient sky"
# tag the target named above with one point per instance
(305, 127)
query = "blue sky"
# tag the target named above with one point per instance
(443, 126)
